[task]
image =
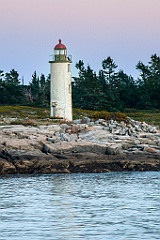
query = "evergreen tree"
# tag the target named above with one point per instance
(47, 89)
(2, 90)
(42, 90)
(86, 89)
(109, 68)
(12, 91)
(154, 67)
(110, 75)
(12, 78)
(35, 88)
(127, 90)
(149, 83)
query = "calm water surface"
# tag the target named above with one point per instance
(80, 206)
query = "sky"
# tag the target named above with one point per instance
(126, 30)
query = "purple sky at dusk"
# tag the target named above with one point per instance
(92, 30)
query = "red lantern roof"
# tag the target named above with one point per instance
(60, 45)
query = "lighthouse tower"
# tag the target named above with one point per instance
(61, 85)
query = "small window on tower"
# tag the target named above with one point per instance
(70, 88)
(69, 68)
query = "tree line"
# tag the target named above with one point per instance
(14, 92)
(109, 89)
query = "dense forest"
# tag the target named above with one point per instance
(109, 89)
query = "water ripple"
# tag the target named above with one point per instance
(118, 206)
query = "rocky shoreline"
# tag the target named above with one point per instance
(79, 147)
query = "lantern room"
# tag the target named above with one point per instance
(60, 52)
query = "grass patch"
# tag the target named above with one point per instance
(42, 114)
(149, 116)
(24, 111)
(95, 115)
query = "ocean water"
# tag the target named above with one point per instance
(92, 206)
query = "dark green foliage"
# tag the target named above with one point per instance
(149, 83)
(114, 90)
(10, 88)
(12, 92)
(87, 90)
(109, 90)
(126, 90)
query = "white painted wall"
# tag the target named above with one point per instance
(61, 90)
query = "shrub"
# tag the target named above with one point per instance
(101, 115)
(118, 116)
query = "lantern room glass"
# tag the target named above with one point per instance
(60, 52)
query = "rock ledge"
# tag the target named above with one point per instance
(99, 146)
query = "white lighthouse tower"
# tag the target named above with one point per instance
(61, 85)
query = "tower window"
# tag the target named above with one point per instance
(69, 69)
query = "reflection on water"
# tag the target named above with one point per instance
(80, 206)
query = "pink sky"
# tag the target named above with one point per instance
(126, 30)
